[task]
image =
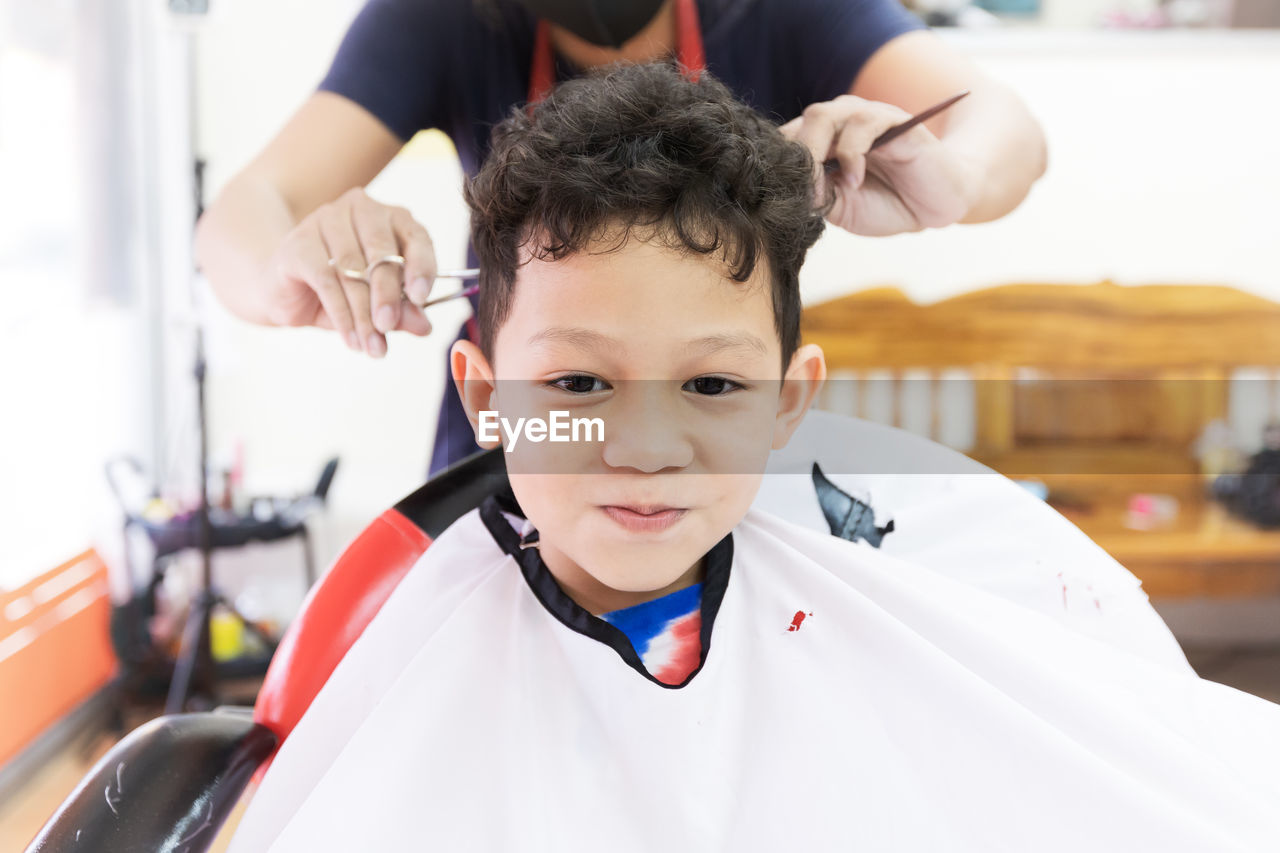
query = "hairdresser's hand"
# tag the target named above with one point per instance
(911, 183)
(354, 230)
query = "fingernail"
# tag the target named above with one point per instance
(353, 340)
(377, 346)
(386, 319)
(421, 289)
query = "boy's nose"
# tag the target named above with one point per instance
(647, 434)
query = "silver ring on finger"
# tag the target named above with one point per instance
(398, 260)
(349, 274)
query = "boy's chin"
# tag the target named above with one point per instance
(642, 569)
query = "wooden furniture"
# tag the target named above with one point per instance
(1100, 391)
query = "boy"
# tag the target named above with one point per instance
(640, 236)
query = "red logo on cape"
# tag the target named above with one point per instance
(797, 620)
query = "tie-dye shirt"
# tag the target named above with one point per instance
(665, 632)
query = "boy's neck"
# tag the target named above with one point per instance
(656, 40)
(596, 598)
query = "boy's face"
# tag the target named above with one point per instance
(684, 368)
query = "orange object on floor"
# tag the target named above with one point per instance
(55, 648)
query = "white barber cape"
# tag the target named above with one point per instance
(968, 522)
(906, 711)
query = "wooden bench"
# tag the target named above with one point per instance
(1100, 391)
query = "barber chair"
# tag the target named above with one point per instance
(138, 797)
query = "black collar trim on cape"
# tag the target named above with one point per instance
(714, 582)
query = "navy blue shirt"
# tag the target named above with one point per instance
(444, 64)
(418, 64)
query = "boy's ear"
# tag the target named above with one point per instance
(805, 375)
(474, 380)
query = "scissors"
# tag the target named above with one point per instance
(398, 260)
(465, 275)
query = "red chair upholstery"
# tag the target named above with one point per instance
(334, 615)
(341, 606)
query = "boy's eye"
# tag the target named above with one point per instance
(579, 383)
(711, 386)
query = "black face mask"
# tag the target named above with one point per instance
(607, 23)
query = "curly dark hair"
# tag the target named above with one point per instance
(644, 150)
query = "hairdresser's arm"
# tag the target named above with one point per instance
(973, 163)
(992, 129)
(266, 240)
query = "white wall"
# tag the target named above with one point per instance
(81, 165)
(1162, 170)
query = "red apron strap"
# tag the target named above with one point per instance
(689, 52)
(542, 76)
(689, 39)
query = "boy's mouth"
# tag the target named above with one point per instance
(644, 518)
